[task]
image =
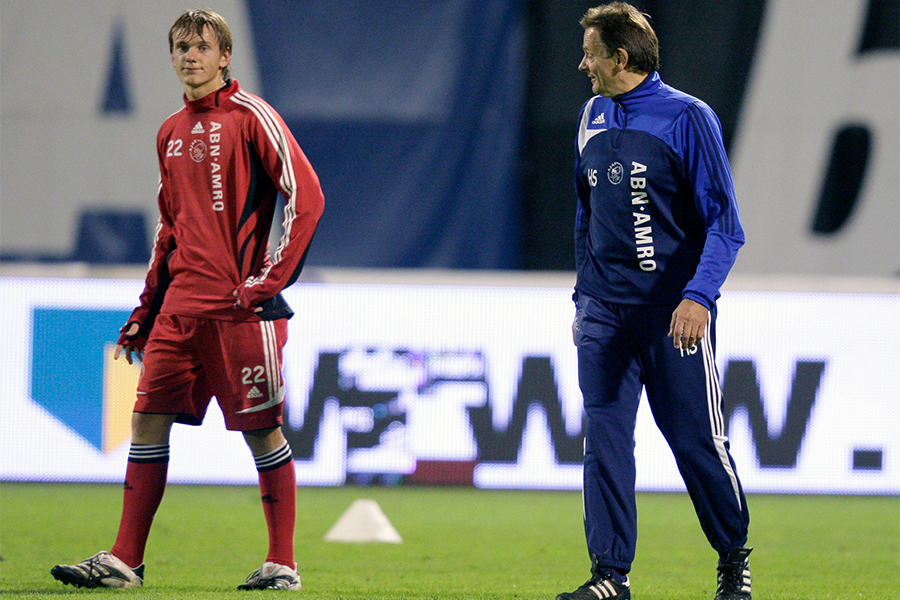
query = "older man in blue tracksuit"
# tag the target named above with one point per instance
(657, 231)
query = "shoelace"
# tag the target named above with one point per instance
(731, 578)
(93, 567)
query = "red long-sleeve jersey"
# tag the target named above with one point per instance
(222, 160)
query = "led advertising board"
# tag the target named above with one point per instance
(468, 385)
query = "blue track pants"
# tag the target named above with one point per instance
(622, 349)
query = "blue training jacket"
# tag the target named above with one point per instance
(657, 219)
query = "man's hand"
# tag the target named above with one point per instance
(127, 347)
(239, 304)
(688, 324)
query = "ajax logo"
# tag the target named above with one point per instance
(198, 150)
(615, 173)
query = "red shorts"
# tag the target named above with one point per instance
(188, 360)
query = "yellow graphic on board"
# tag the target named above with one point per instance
(119, 385)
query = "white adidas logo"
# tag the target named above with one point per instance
(254, 393)
(598, 120)
(198, 129)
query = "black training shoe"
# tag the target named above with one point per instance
(734, 575)
(600, 587)
(99, 571)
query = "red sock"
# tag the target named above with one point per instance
(145, 483)
(278, 486)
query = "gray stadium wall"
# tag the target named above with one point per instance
(447, 143)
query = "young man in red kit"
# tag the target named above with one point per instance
(211, 321)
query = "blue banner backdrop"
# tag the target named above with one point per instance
(411, 113)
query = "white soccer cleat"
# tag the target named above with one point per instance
(272, 576)
(101, 570)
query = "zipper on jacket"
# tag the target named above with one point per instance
(617, 139)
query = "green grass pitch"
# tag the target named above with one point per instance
(457, 544)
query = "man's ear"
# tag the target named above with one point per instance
(621, 58)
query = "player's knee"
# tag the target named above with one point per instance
(265, 440)
(148, 428)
